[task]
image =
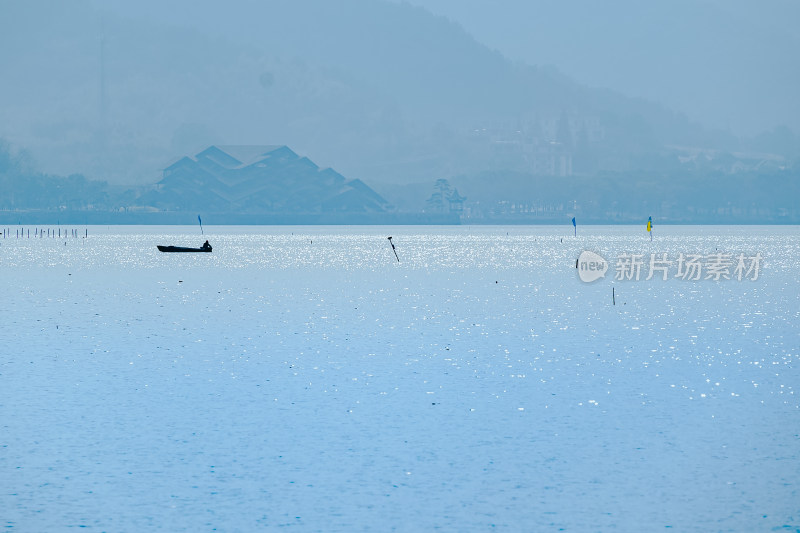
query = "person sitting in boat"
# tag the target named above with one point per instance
(206, 246)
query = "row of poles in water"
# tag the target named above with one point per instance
(39, 233)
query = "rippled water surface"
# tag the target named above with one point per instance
(304, 378)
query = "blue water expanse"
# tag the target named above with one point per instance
(304, 378)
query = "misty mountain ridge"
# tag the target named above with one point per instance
(406, 97)
(727, 64)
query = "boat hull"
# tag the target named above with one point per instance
(181, 249)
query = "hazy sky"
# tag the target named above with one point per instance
(725, 63)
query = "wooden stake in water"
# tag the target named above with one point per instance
(393, 249)
(613, 297)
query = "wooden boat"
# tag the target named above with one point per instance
(182, 249)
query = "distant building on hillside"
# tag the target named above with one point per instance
(259, 179)
(456, 202)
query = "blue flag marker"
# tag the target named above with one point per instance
(575, 226)
(201, 224)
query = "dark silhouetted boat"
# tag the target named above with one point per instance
(205, 248)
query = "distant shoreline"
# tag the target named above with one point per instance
(169, 218)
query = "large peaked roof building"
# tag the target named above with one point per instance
(259, 179)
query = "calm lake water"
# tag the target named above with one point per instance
(304, 378)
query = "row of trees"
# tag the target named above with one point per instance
(25, 188)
